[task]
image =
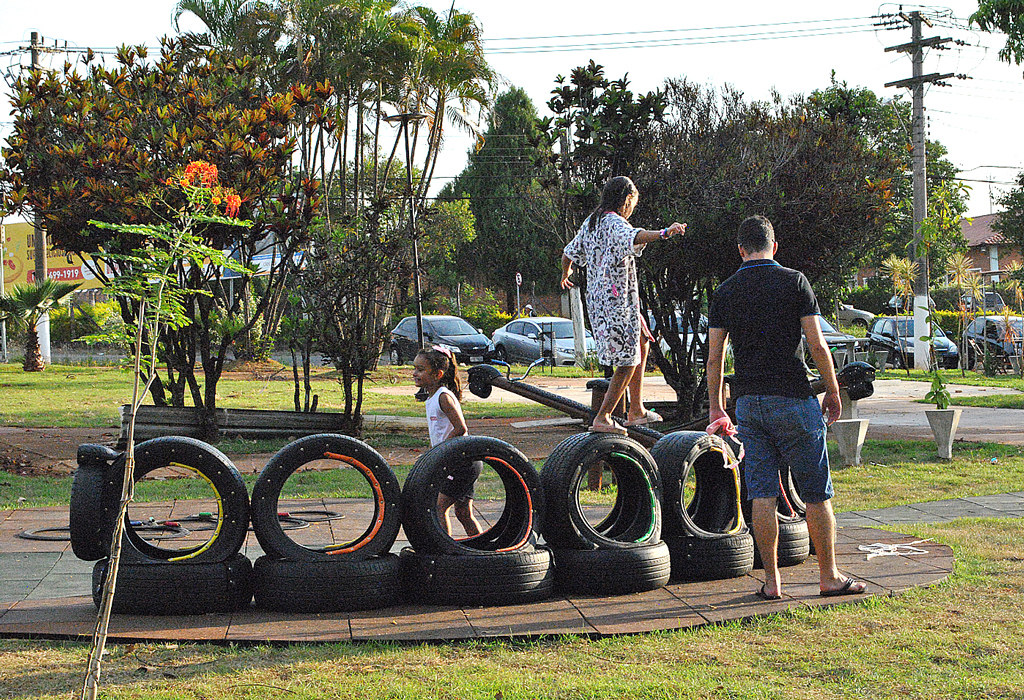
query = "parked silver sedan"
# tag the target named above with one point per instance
(524, 340)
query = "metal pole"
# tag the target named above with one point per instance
(3, 293)
(415, 235)
(39, 242)
(921, 306)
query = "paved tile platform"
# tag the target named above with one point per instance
(44, 590)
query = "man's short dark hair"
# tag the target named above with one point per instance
(756, 234)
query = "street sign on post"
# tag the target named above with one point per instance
(519, 283)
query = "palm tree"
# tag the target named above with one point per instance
(25, 306)
(901, 272)
(452, 68)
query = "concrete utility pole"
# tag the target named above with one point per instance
(39, 239)
(579, 332)
(920, 176)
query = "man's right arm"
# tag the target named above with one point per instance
(831, 405)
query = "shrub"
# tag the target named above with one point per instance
(872, 297)
(484, 312)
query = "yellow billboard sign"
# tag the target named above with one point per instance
(18, 260)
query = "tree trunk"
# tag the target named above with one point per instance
(33, 361)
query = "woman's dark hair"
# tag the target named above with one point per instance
(445, 363)
(615, 193)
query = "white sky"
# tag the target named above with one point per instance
(978, 120)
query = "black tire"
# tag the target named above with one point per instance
(180, 588)
(91, 514)
(500, 354)
(517, 526)
(232, 518)
(379, 535)
(327, 586)
(506, 578)
(859, 323)
(395, 355)
(612, 571)
(634, 523)
(714, 510)
(701, 559)
(794, 543)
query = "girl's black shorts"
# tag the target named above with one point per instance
(460, 480)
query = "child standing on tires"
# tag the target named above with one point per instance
(436, 372)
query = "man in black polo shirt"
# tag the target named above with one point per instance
(763, 308)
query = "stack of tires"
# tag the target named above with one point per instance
(794, 540)
(704, 525)
(500, 566)
(208, 576)
(621, 552)
(360, 574)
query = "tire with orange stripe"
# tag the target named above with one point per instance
(344, 452)
(516, 528)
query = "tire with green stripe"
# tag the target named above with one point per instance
(635, 518)
(231, 521)
(346, 452)
(516, 527)
(612, 571)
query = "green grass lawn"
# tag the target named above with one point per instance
(959, 639)
(89, 397)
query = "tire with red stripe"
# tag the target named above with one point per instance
(515, 529)
(379, 535)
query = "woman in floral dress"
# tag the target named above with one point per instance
(607, 245)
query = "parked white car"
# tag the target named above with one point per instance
(526, 339)
(849, 315)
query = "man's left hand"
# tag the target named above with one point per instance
(831, 407)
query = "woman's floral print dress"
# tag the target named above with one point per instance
(613, 297)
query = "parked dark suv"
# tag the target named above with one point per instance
(991, 331)
(471, 347)
(883, 336)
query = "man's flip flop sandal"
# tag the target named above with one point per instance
(763, 594)
(848, 588)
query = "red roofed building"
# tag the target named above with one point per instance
(989, 250)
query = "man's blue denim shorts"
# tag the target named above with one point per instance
(777, 431)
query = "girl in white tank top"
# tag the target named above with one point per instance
(435, 371)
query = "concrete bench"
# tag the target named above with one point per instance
(157, 421)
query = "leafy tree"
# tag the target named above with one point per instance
(448, 227)
(1006, 16)
(92, 144)
(606, 131)
(25, 306)
(1010, 222)
(716, 160)
(514, 217)
(884, 128)
(349, 287)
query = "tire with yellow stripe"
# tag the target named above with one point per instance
(635, 517)
(230, 519)
(346, 452)
(514, 529)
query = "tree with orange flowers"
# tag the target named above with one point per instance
(91, 143)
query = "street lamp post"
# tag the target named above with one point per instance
(404, 119)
